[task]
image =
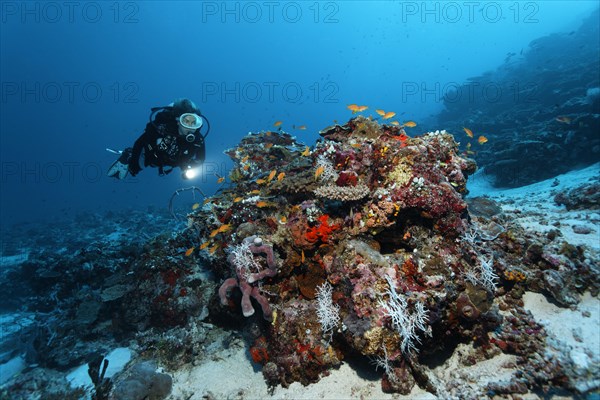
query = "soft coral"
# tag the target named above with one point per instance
(321, 231)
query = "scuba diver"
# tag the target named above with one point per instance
(172, 139)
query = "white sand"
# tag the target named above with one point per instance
(533, 206)
(573, 335)
(232, 376)
(579, 328)
(469, 380)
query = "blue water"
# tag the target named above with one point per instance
(80, 77)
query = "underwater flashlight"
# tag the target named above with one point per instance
(190, 173)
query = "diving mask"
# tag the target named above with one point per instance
(188, 124)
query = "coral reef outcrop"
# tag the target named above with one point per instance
(377, 221)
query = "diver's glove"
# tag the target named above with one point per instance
(120, 168)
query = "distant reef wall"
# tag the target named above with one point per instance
(540, 110)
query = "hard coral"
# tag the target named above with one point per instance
(342, 193)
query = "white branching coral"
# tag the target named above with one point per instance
(329, 173)
(406, 323)
(385, 363)
(487, 276)
(475, 234)
(483, 274)
(244, 259)
(327, 312)
(471, 235)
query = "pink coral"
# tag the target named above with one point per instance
(243, 263)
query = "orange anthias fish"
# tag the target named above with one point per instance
(262, 204)
(564, 120)
(301, 127)
(221, 179)
(353, 108)
(280, 176)
(319, 171)
(395, 123)
(261, 181)
(410, 124)
(238, 199)
(189, 251)
(203, 245)
(306, 152)
(213, 249)
(195, 206)
(482, 140)
(468, 132)
(362, 108)
(278, 123)
(272, 175)
(221, 229)
(388, 115)
(380, 112)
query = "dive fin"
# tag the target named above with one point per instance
(118, 170)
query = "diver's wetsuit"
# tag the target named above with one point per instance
(164, 147)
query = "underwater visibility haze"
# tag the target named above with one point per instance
(89, 76)
(403, 191)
